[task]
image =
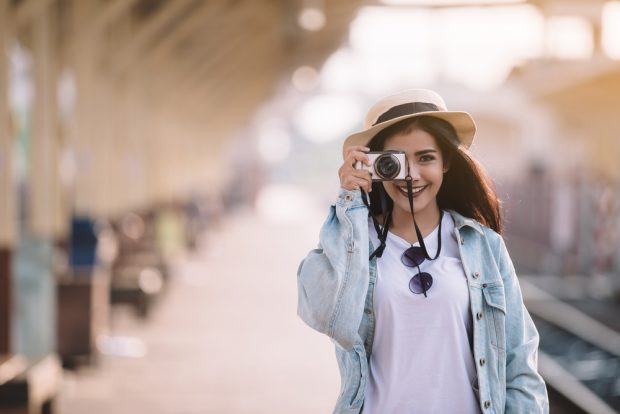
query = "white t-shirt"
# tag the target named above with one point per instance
(421, 358)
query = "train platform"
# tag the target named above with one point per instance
(225, 337)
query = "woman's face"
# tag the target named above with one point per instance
(426, 167)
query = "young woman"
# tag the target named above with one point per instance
(417, 290)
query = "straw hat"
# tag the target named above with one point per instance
(411, 103)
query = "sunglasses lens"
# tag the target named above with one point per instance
(415, 284)
(413, 256)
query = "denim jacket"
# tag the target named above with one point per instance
(335, 297)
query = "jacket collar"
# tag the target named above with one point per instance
(461, 221)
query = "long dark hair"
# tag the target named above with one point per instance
(466, 188)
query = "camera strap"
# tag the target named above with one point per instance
(381, 233)
(417, 229)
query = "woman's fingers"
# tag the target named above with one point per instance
(354, 156)
(352, 178)
(363, 174)
(352, 182)
(355, 148)
(348, 171)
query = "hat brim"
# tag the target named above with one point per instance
(462, 122)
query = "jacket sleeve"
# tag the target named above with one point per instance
(526, 391)
(332, 281)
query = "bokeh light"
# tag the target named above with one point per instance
(311, 19)
(611, 29)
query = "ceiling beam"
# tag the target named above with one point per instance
(229, 95)
(110, 12)
(195, 22)
(132, 51)
(214, 57)
(165, 77)
(254, 63)
(28, 10)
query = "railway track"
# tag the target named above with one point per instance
(579, 357)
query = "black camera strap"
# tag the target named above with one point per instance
(381, 233)
(417, 229)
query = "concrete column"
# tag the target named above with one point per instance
(44, 185)
(8, 220)
(99, 130)
(8, 214)
(84, 60)
(143, 147)
(33, 312)
(133, 170)
(101, 134)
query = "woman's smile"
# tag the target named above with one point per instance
(416, 190)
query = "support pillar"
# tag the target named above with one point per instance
(84, 61)
(44, 176)
(9, 194)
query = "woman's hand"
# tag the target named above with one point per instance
(350, 178)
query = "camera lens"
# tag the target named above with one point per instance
(387, 166)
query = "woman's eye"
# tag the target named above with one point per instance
(427, 158)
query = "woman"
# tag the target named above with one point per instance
(421, 298)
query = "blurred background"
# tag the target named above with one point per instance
(166, 164)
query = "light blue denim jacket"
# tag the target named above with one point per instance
(335, 297)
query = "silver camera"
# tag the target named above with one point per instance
(385, 165)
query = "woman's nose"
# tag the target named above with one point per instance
(414, 171)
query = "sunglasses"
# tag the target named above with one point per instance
(422, 282)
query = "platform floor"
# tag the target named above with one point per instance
(224, 339)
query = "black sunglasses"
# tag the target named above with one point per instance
(422, 282)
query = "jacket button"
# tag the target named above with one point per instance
(479, 315)
(476, 275)
(367, 311)
(482, 361)
(462, 240)
(487, 404)
(484, 285)
(348, 197)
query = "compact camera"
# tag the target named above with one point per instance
(385, 165)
